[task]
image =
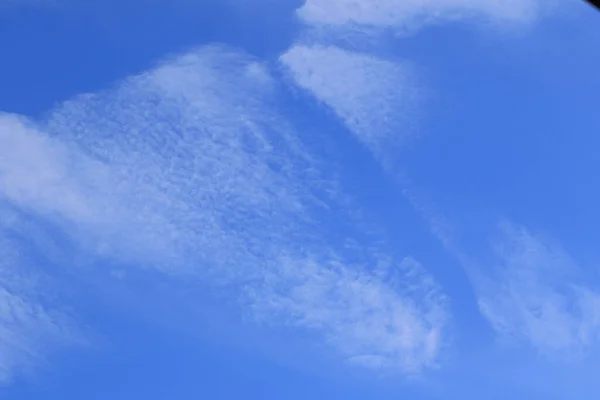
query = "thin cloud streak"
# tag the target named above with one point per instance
(415, 13)
(376, 99)
(536, 293)
(30, 329)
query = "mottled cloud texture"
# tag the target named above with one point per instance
(190, 169)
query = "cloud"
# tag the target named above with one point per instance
(30, 328)
(368, 319)
(38, 172)
(375, 98)
(391, 13)
(190, 169)
(196, 161)
(536, 293)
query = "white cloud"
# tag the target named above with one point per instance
(368, 319)
(536, 294)
(375, 98)
(190, 169)
(196, 160)
(30, 330)
(38, 172)
(393, 13)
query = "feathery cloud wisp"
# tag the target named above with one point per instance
(375, 98)
(391, 13)
(30, 329)
(373, 320)
(537, 295)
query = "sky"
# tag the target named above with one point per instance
(260, 199)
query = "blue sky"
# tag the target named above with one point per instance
(299, 199)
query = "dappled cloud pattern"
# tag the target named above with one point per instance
(189, 169)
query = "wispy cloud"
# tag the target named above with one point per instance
(533, 296)
(402, 14)
(537, 293)
(36, 171)
(30, 328)
(528, 288)
(375, 98)
(371, 318)
(190, 168)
